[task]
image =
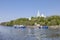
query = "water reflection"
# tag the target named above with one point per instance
(11, 33)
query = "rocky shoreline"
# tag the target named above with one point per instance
(49, 27)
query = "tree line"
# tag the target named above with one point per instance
(51, 20)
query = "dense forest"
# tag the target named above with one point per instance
(51, 20)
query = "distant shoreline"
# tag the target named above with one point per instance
(50, 27)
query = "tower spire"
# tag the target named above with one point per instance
(38, 14)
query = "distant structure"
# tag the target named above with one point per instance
(29, 18)
(42, 15)
(38, 15)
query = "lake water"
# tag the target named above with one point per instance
(11, 33)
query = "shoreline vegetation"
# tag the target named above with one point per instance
(51, 21)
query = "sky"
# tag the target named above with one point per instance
(13, 9)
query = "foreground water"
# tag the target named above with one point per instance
(11, 33)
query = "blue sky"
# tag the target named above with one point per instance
(13, 9)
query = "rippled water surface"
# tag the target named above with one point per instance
(11, 33)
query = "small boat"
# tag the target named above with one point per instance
(19, 26)
(43, 27)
